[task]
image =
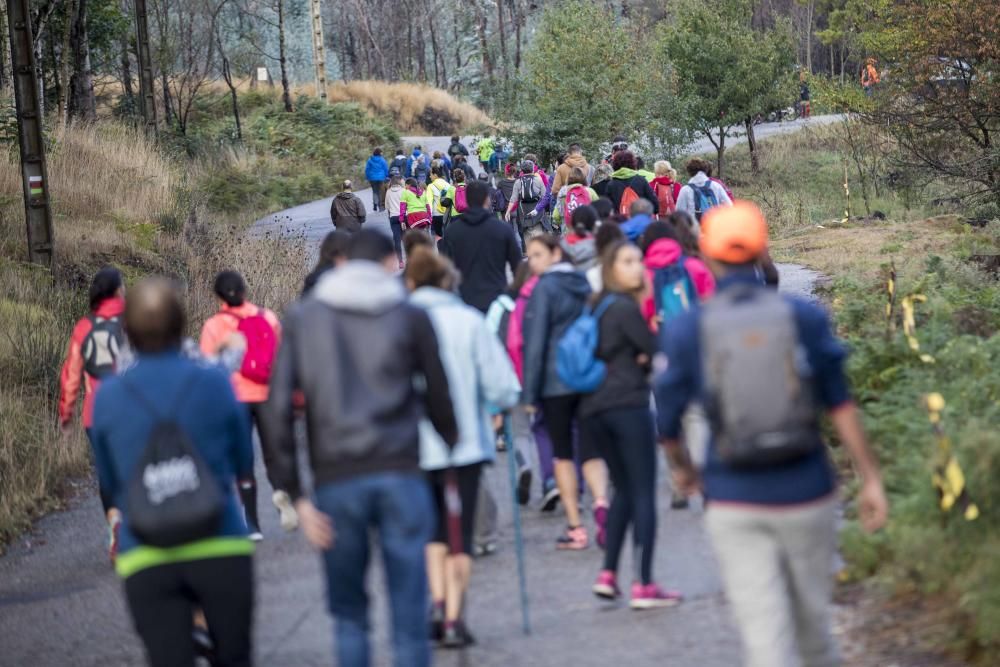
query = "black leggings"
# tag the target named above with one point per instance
(559, 415)
(163, 598)
(397, 236)
(626, 440)
(467, 481)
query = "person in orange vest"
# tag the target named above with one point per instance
(869, 76)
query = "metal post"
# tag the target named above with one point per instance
(146, 86)
(319, 49)
(37, 212)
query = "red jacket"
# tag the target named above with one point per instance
(666, 180)
(73, 371)
(663, 253)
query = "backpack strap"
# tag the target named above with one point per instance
(604, 305)
(148, 405)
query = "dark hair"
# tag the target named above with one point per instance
(231, 288)
(708, 168)
(606, 235)
(584, 220)
(411, 182)
(399, 151)
(455, 139)
(426, 268)
(561, 158)
(576, 176)
(437, 168)
(377, 151)
(458, 175)
(575, 148)
(154, 316)
(623, 160)
(476, 193)
(416, 238)
(552, 243)
(370, 245)
(639, 162)
(696, 164)
(656, 231)
(105, 284)
(333, 248)
(604, 207)
(683, 224)
(520, 277)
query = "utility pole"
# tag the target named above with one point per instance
(319, 49)
(145, 68)
(35, 182)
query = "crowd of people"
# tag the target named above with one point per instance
(590, 314)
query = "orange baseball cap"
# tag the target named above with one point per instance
(734, 234)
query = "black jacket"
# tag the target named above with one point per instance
(556, 302)
(616, 188)
(624, 336)
(482, 247)
(354, 348)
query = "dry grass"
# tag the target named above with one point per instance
(414, 108)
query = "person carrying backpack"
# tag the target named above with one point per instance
(414, 210)
(377, 173)
(574, 160)
(766, 365)
(528, 191)
(95, 346)
(485, 150)
(665, 187)
(579, 243)
(262, 331)
(701, 193)
(440, 192)
(411, 162)
(456, 149)
(679, 282)
(394, 206)
(618, 417)
(399, 162)
(627, 185)
(421, 170)
(571, 196)
(708, 172)
(170, 441)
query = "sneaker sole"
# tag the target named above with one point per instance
(570, 547)
(550, 503)
(642, 605)
(524, 487)
(605, 592)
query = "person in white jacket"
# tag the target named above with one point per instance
(688, 200)
(482, 383)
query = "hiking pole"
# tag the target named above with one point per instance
(508, 432)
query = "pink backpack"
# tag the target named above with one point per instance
(262, 346)
(460, 202)
(576, 196)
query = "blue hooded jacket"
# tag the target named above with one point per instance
(411, 160)
(377, 169)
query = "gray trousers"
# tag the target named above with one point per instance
(487, 518)
(777, 569)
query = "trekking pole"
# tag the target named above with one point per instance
(518, 538)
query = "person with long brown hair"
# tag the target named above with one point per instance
(618, 418)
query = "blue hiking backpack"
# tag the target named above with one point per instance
(577, 364)
(673, 291)
(704, 199)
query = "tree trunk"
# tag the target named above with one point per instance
(227, 74)
(126, 72)
(752, 144)
(515, 11)
(286, 88)
(65, 66)
(810, 11)
(6, 73)
(502, 36)
(168, 105)
(721, 153)
(435, 51)
(484, 48)
(833, 64)
(82, 101)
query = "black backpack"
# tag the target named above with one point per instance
(102, 346)
(172, 497)
(529, 192)
(499, 201)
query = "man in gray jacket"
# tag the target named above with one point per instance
(354, 349)
(347, 212)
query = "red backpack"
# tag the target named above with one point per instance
(262, 346)
(576, 196)
(665, 197)
(461, 204)
(629, 197)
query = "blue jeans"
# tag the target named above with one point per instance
(398, 506)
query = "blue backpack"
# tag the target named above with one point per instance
(704, 199)
(673, 291)
(576, 362)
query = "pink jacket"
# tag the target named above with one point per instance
(663, 253)
(515, 330)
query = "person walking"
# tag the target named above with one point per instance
(332, 253)
(482, 383)
(580, 244)
(482, 248)
(411, 162)
(377, 173)
(394, 206)
(414, 208)
(528, 191)
(398, 162)
(347, 212)
(618, 417)
(556, 302)
(354, 351)
(439, 189)
(574, 160)
(457, 149)
(765, 365)
(628, 185)
(665, 187)
(485, 150)
(422, 171)
(262, 331)
(701, 193)
(92, 355)
(172, 564)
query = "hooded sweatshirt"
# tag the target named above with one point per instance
(562, 172)
(661, 254)
(480, 377)
(557, 301)
(666, 181)
(413, 202)
(482, 249)
(581, 250)
(354, 348)
(686, 201)
(394, 199)
(624, 178)
(73, 367)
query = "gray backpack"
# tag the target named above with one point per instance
(760, 398)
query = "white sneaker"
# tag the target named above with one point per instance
(289, 517)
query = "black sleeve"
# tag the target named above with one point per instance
(771, 276)
(634, 328)
(535, 332)
(333, 211)
(278, 415)
(514, 256)
(444, 245)
(438, 397)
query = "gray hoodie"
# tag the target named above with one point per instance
(368, 366)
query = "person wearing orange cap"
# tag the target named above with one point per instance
(764, 365)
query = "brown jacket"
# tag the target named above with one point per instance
(348, 212)
(562, 173)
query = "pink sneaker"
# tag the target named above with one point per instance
(601, 520)
(606, 586)
(651, 596)
(574, 539)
